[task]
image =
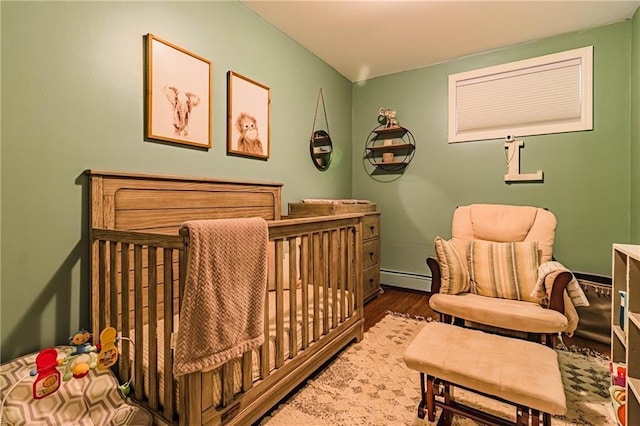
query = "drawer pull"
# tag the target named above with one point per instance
(371, 254)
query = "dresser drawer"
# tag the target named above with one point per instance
(371, 282)
(370, 253)
(370, 226)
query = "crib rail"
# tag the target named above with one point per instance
(137, 282)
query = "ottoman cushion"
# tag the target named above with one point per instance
(518, 371)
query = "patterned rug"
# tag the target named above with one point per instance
(369, 384)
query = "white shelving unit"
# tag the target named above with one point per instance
(625, 338)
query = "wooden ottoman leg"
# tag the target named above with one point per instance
(431, 399)
(423, 398)
(447, 416)
(535, 417)
(522, 415)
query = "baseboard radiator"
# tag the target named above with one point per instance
(595, 320)
(409, 280)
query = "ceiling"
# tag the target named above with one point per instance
(364, 39)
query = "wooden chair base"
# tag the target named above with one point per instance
(432, 387)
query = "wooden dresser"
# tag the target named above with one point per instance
(370, 235)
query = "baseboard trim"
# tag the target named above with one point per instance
(408, 280)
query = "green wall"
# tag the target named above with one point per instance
(635, 130)
(72, 80)
(586, 174)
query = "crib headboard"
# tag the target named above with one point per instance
(161, 203)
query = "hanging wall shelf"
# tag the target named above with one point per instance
(321, 145)
(390, 149)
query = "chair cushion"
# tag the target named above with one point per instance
(503, 313)
(504, 270)
(503, 224)
(506, 223)
(453, 270)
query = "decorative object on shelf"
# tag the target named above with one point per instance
(389, 148)
(178, 95)
(248, 111)
(321, 146)
(388, 116)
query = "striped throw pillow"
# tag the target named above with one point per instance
(503, 270)
(453, 272)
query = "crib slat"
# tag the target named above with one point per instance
(350, 273)
(279, 343)
(102, 286)
(325, 282)
(152, 283)
(304, 269)
(293, 298)
(206, 378)
(334, 273)
(168, 406)
(139, 351)
(264, 349)
(316, 286)
(247, 371)
(343, 270)
(113, 287)
(226, 375)
(124, 318)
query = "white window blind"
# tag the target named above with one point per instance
(547, 94)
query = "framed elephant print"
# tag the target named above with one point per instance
(248, 128)
(178, 94)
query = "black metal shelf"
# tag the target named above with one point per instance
(402, 149)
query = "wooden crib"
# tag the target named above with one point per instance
(313, 304)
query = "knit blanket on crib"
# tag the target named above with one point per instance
(222, 310)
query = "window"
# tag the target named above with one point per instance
(547, 94)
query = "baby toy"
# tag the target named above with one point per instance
(77, 361)
(82, 356)
(48, 380)
(55, 366)
(80, 342)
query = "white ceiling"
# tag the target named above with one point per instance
(363, 39)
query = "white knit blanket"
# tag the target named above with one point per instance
(577, 296)
(222, 310)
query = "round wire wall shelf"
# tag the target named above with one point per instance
(390, 149)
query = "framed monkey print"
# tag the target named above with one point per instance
(248, 126)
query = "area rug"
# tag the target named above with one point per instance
(369, 384)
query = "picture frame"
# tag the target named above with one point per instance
(248, 117)
(178, 98)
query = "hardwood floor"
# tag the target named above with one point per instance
(416, 303)
(397, 300)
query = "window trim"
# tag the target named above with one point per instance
(583, 55)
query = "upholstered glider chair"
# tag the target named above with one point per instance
(496, 273)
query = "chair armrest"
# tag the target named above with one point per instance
(433, 265)
(556, 299)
